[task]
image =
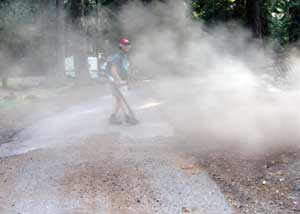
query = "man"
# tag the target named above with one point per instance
(119, 72)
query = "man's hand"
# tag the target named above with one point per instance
(129, 85)
(122, 83)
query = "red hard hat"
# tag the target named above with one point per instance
(124, 41)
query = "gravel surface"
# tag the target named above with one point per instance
(265, 183)
(75, 162)
(69, 160)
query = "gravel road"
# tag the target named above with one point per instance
(75, 162)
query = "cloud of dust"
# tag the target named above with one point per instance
(215, 82)
(23, 47)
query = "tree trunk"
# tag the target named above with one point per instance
(254, 17)
(60, 45)
(79, 41)
(96, 37)
(45, 52)
(294, 27)
(239, 10)
(4, 82)
(98, 24)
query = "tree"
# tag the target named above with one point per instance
(294, 26)
(79, 40)
(94, 22)
(60, 30)
(16, 40)
(254, 17)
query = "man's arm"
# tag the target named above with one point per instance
(115, 74)
(129, 81)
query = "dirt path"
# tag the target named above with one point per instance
(74, 162)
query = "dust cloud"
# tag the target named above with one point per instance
(215, 81)
(220, 85)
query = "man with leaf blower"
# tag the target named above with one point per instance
(119, 73)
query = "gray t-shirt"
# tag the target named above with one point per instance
(121, 61)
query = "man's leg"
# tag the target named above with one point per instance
(114, 119)
(118, 105)
(129, 119)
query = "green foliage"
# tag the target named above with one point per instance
(281, 18)
(278, 19)
(216, 10)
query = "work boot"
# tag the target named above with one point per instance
(115, 120)
(131, 120)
